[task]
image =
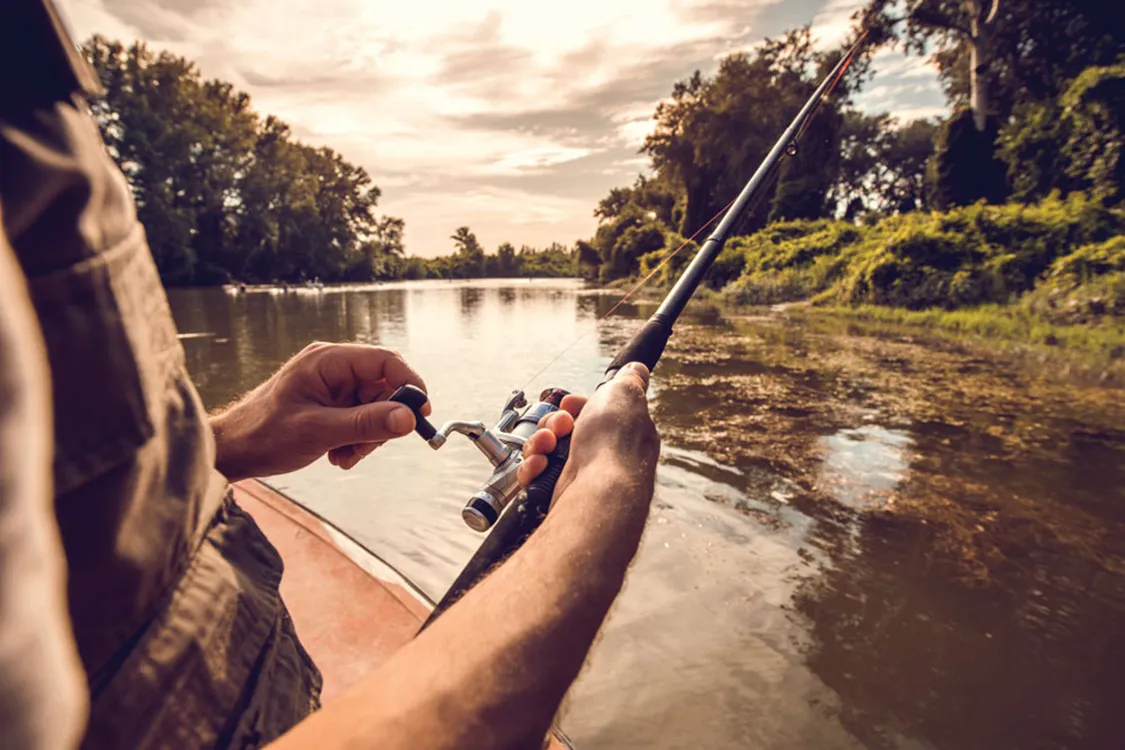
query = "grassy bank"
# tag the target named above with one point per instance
(1050, 274)
(1014, 324)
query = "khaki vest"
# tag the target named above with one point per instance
(173, 590)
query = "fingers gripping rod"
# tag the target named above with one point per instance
(502, 446)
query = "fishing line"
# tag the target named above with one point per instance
(746, 216)
(628, 294)
(485, 510)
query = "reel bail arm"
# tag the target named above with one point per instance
(502, 446)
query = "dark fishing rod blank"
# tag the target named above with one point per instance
(526, 510)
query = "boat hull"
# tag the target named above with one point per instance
(351, 610)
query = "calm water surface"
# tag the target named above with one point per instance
(859, 539)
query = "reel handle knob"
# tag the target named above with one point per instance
(415, 398)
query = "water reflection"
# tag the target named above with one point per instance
(963, 586)
(470, 301)
(857, 540)
(863, 465)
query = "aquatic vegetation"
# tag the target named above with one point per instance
(1051, 273)
(1018, 323)
(985, 469)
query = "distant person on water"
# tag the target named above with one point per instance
(139, 605)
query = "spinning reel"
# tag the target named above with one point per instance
(502, 446)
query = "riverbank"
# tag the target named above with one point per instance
(1049, 276)
(1104, 340)
(1096, 347)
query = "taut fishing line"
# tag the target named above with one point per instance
(791, 152)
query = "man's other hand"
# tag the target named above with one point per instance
(615, 438)
(329, 398)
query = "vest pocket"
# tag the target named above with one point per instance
(93, 315)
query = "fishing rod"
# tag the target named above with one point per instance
(503, 444)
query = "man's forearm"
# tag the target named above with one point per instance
(228, 427)
(492, 671)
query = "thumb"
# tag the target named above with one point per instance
(368, 423)
(634, 374)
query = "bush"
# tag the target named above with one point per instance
(1087, 262)
(671, 270)
(1084, 302)
(1093, 105)
(772, 287)
(623, 242)
(727, 267)
(970, 256)
(964, 168)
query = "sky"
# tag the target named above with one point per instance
(513, 117)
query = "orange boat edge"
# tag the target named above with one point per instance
(350, 608)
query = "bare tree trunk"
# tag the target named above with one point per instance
(978, 64)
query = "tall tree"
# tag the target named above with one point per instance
(222, 192)
(713, 133)
(992, 54)
(469, 256)
(883, 164)
(506, 264)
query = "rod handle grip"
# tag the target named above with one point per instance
(514, 528)
(646, 346)
(415, 398)
(542, 488)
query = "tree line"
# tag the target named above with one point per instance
(1042, 113)
(226, 194)
(469, 260)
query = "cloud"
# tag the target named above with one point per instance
(892, 64)
(905, 86)
(512, 117)
(92, 17)
(832, 25)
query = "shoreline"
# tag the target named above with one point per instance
(1089, 351)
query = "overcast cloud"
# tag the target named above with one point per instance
(510, 116)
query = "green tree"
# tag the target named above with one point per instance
(506, 263)
(964, 168)
(713, 133)
(469, 256)
(382, 254)
(658, 195)
(882, 164)
(806, 177)
(1094, 110)
(1029, 50)
(182, 143)
(413, 268)
(1072, 143)
(552, 261)
(587, 259)
(222, 192)
(996, 59)
(902, 182)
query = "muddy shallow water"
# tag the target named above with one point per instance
(860, 538)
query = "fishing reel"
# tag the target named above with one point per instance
(502, 446)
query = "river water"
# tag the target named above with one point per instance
(860, 538)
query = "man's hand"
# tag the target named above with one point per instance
(329, 398)
(615, 439)
(536, 614)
